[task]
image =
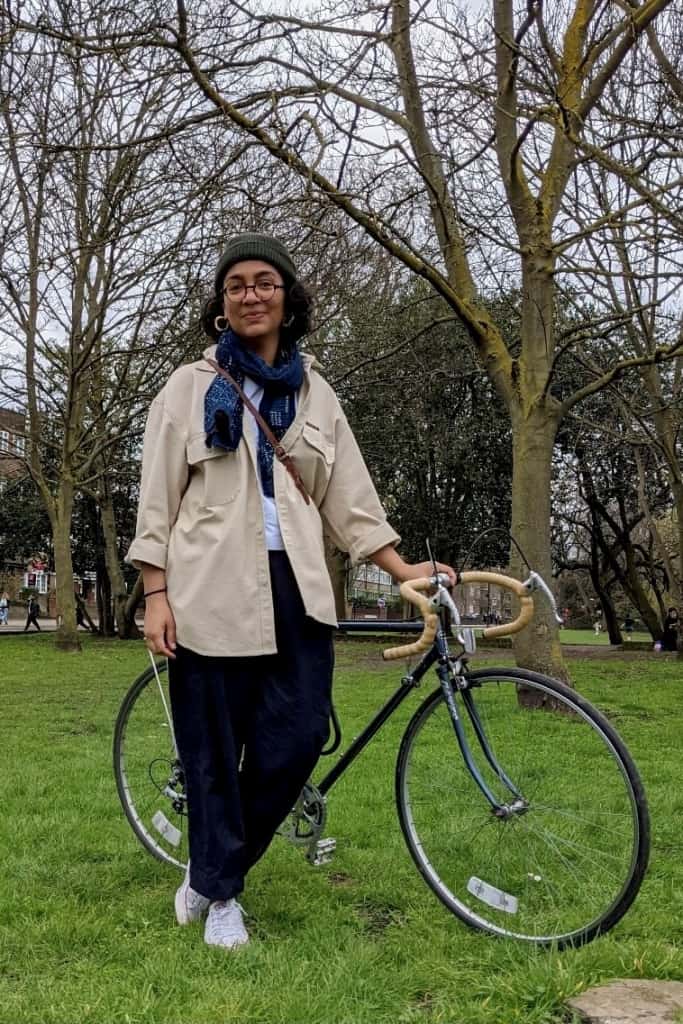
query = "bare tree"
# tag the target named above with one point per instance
(99, 262)
(457, 145)
(636, 284)
(611, 507)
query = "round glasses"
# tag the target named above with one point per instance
(264, 290)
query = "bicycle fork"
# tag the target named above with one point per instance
(448, 675)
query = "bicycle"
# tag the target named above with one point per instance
(503, 825)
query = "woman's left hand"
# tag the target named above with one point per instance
(388, 558)
(420, 569)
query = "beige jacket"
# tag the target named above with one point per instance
(200, 515)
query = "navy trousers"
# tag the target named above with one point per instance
(249, 733)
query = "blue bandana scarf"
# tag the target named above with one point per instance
(223, 408)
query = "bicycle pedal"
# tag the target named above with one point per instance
(321, 852)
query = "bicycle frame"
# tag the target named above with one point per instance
(453, 804)
(437, 654)
(407, 684)
(440, 654)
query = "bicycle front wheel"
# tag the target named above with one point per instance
(562, 857)
(149, 774)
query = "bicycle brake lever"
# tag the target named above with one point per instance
(536, 582)
(443, 597)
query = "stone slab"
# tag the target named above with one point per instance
(631, 1001)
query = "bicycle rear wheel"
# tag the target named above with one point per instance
(565, 861)
(149, 776)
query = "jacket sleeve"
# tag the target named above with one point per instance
(351, 510)
(165, 475)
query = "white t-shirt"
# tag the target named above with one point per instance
(271, 521)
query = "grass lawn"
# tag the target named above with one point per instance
(587, 636)
(87, 931)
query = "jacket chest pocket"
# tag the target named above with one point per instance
(314, 457)
(215, 473)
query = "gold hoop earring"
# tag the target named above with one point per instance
(218, 326)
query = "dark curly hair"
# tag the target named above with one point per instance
(298, 314)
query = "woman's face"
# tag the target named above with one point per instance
(250, 310)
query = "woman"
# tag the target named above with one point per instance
(670, 637)
(4, 608)
(230, 543)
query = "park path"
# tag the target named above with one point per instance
(597, 651)
(17, 621)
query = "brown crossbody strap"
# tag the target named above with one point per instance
(280, 454)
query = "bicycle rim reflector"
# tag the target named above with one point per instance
(493, 897)
(166, 829)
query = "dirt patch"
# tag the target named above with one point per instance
(340, 879)
(597, 652)
(424, 1001)
(377, 917)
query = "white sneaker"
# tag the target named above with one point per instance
(189, 905)
(225, 925)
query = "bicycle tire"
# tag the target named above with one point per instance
(148, 773)
(561, 871)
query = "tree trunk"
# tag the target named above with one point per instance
(677, 488)
(609, 612)
(111, 553)
(336, 567)
(600, 585)
(538, 646)
(679, 506)
(633, 585)
(678, 499)
(104, 610)
(621, 546)
(655, 533)
(67, 635)
(667, 426)
(128, 629)
(105, 618)
(80, 603)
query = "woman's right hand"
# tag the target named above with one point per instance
(159, 626)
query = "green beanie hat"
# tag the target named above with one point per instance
(252, 246)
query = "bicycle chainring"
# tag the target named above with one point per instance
(305, 823)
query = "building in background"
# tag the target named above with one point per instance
(28, 572)
(12, 446)
(372, 594)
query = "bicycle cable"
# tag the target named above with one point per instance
(495, 529)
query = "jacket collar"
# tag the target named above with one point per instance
(309, 361)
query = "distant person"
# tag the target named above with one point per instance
(382, 607)
(628, 626)
(33, 611)
(4, 608)
(597, 627)
(671, 624)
